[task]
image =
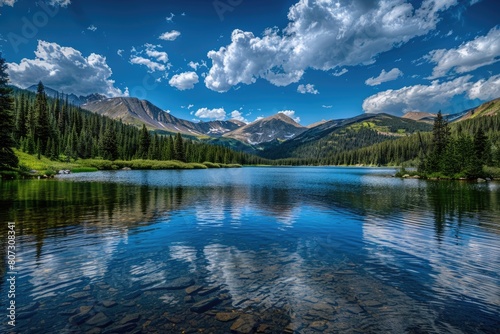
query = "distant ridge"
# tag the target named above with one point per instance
(275, 127)
(131, 110)
(420, 116)
(72, 98)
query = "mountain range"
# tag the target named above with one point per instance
(276, 136)
(131, 110)
(72, 98)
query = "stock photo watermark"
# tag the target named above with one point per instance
(223, 6)
(11, 274)
(30, 26)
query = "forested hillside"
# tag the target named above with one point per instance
(54, 128)
(404, 149)
(330, 138)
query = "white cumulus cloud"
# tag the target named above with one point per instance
(432, 97)
(486, 89)
(7, 3)
(291, 114)
(237, 115)
(216, 113)
(170, 35)
(322, 35)
(196, 65)
(64, 69)
(150, 64)
(150, 57)
(92, 28)
(184, 81)
(158, 55)
(428, 98)
(481, 51)
(307, 89)
(384, 77)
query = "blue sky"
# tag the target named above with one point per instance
(221, 59)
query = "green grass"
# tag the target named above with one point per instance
(42, 166)
(30, 165)
(139, 164)
(211, 164)
(83, 169)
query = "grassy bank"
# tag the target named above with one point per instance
(488, 173)
(31, 166)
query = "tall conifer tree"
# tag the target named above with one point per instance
(7, 121)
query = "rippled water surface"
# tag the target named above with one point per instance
(268, 250)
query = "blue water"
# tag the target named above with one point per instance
(315, 250)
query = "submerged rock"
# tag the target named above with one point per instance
(205, 305)
(99, 320)
(192, 289)
(208, 290)
(80, 295)
(226, 316)
(263, 328)
(318, 325)
(244, 325)
(135, 317)
(79, 318)
(108, 303)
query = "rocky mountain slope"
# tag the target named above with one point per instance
(137, 112)
(276, 127)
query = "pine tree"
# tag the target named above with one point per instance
(21, 120)
(144, 142)
(440, 138)
(481, 147)
(179, 148)
(42, 124)
(8, 159)
(109, 145)
(170, 148)
(441, 133)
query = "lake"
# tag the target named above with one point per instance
(273, 250)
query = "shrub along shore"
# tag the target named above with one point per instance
(31, 166)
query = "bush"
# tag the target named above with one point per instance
(97, 163)
(211, 164)
(50, 172)
(493, 172)
(196, 165)
(403, 171)
(84, 169)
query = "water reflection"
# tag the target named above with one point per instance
(327, 251)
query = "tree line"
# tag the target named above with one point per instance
(55, 128)
(411, 149)
(52, 127)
